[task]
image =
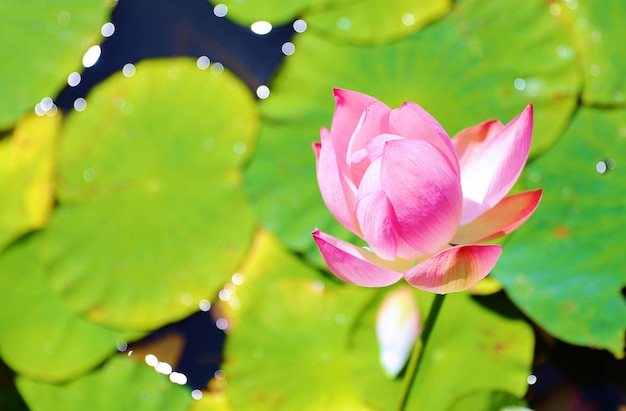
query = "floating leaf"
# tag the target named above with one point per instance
(571, 284)
(40, 338)
(152, 216)
(293, 322)
(597, 30)
(246, 12)
(120, 384)
(467, 339)
(44, 41)
(323, 334)
(466, 68)
(369, 22)
(26, 176)
(489, 401)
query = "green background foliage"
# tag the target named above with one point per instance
(122, 218)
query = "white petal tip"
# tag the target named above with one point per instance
(392, 362)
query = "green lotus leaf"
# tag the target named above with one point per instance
(597, 30)
(40, 338)
(466, 68)
(323, 334)
(370, 22)
(120, 384)
(564, 267)
(468, 339)
(277, 12)
(287, 348)
(44, 42)
(489, 401)
(152, 218)
(26, 176)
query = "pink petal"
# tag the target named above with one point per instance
(334, 187)
(467, 142)
(369, 184)
(354, 264)
(374, 148)
(493, 167)
(317, 147)
(454, 269)
(425, 193)
(349, 107)
(412, 121)
(375, 215)
(375, 121)
(505, 217)
(397, 328)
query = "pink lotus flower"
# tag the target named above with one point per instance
(419, 199)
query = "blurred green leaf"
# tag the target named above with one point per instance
(565, 267)
(468, 339)
(362, 21)
(44, 42)
(152, 216)
(40, 338)
(277, 12)
(120, 384)
(287, 349)
(489, 401)
(26, 176)
(370, 22)
(471, 66)
(323, 336)
(598, 30)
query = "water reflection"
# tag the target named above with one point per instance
(408, 19)
(80, 104)
(205, 305)
(299, 26)
(220, 10)
(288, 48)
(107, 29)
(73, 79)
(262, 92)
(344, 23)
(261, 27)
(203, 62)
(91, 57)
(46, 107)
(555, 9)
(129, 70)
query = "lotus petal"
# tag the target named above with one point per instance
(454, 269)
(354, 264)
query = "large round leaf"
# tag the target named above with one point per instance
(42, 41)
(301, 340)
(152, 217)
(121, 384)
(571, 283)
(26, 176)
(40, 338)
(471, 66)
